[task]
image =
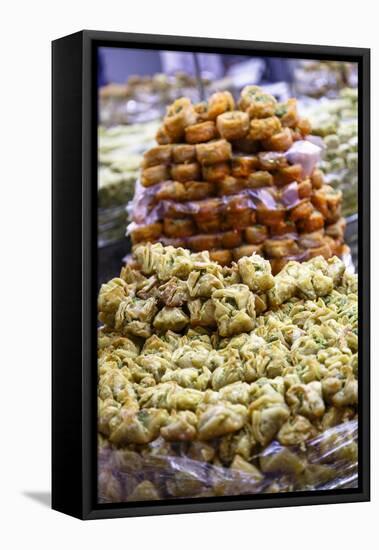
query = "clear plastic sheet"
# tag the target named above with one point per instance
(144, 208)
(164, 471)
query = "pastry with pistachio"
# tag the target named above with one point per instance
(219, 364)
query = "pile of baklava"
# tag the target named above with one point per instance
(237, 179)
(215, 363)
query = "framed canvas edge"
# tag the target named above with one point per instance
(88, 489)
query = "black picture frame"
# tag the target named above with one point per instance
(74, 203)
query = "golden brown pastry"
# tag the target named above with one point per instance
(146, 233)
(231, 239)
(204, 242)
(171, 190)
(272, 161)
(287, 112)
(323, 250)
(213, 152)
(154, 174)
(256, 234)
(179, 115)
(277, 264)
(197, 190)
(336, 230)
(161, 137)
(216, 172)
(183, 152)
(288, 174)
(186, 172)
(281, 228)
(260, 178)
(304, 126)
(178, 227)
(246, 250)
(279, 248)
(281, 141)
(223, 257)
(314, 222)
(264, 128)
(304, 189)
(312, 240)
(243, 165)
(219, 103)
(301, 211)
(157, 155)
(201, 111)
(328, 201)
(317, 179)
(200, 132)
(230, 185)
(233, 125)
(208, 216)
(238, 212)
(270, 216)
(257, 103)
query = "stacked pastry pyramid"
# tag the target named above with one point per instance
(238, 179)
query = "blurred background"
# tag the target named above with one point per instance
(135, 87)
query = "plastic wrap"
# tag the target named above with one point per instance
(162, 471)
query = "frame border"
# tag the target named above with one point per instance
(75, 488)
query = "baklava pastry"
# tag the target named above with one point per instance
(198, 190)
(257, 103)
(246, 250)
(161, 137)
(233, 125)
(178, 227)
(183, 153)
(221, 256)
(260, 178)
(270, 216)
(279, 248)
(219, 103)
(304, 126)
(317, 179)
(171, 190)
(336, 230)
(204, 242)
(154, 174)
(186, 172)
(179, 115)
(147, 233)
(287, 112)
(323, 250)
(244, 165)
(304, 189)
(256, 234)
(301, 211)
(287, 175)
(272, 161)
(281, 141)
(200, 132)
(312, 240)
(328, 201)
(157, 155)
(237, 212)
(214, 152)
(284, 227)
(216, 172)
(231, 239)
(264, 128)
(230, 185)
(313, 223)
